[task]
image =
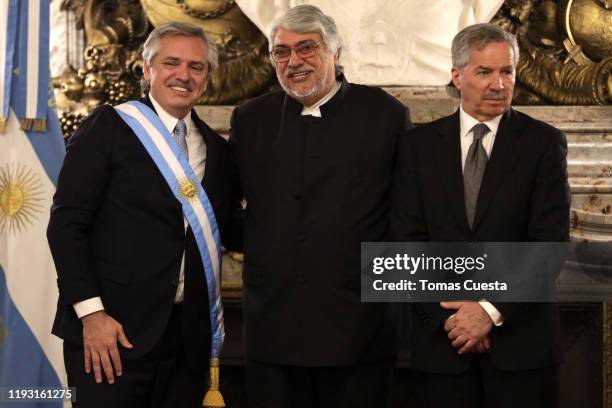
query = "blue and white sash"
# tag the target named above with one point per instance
(174, 166)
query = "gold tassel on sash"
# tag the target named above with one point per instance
(3, 125)
(213, 398)
(35, 125)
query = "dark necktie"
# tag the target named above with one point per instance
(180, 135)
(474, 169)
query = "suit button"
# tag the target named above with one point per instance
(297, 196)
(301, 237)
(175, 283)
(301, 280)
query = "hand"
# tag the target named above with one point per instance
(468, 326)
(100, 335)
(483, 345)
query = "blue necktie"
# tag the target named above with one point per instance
(180, 136)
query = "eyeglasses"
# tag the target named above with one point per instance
(303, 50)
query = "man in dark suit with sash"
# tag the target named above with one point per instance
(134, 232)
(487, 173)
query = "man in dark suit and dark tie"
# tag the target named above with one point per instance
(487, 173)
(144, 193)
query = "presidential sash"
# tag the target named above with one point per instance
(174, 166)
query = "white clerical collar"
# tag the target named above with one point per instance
(315, 110)
(168, 120)
(467, 122)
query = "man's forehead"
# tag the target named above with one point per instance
(492, 54)
(173, 41)
(173, 55)
(168, 48)
(291, 38)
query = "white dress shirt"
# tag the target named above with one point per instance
(197, 160)
(467, 122)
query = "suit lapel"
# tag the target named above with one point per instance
(160, 178)
(504, 154)
(448, 154)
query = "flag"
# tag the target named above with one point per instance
(31, 153)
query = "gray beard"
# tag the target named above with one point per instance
(307, 93)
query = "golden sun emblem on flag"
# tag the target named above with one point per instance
(21, 197)
(188, 189)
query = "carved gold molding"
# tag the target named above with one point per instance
(566, 50)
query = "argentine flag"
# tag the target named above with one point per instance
(31, 153)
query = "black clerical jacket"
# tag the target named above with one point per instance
(315, 189)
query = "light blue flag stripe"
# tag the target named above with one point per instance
(42, 104)
(20, 84)
(38, 50)
(49, 146)
(9, 55)
(22, 360)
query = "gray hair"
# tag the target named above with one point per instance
(477, 37)
(151, 45)
(308, 19)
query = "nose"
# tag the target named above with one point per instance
(294, 59)
(182, 72)
(497, 82)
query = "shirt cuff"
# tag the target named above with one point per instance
(88, 306)
(493, 313)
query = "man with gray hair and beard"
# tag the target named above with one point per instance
(143, 195)
(316, 163)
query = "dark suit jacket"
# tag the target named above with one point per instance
(116, 231)
(524, 196)
(315, 189)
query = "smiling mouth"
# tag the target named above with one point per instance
(180, 89)
(298, 75)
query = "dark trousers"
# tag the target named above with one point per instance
(483, 385)
(365, 385)
(160, 379)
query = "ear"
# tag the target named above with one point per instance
(456, 77)
(146, 72)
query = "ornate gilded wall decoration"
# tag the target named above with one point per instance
(566, 50)
(115, 32)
